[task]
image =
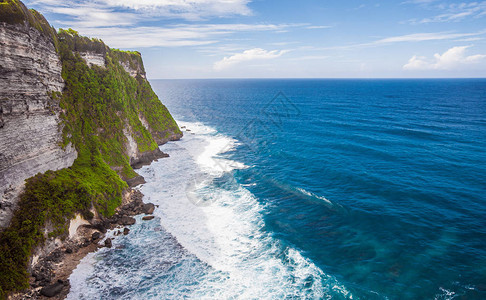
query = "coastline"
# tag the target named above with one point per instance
(316, 204)
(203, 253)
(50, 275)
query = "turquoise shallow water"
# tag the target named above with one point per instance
(364, 189)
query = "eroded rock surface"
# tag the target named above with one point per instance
(30, 130)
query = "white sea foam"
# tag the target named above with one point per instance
(220, 222)
(227, 234)
(310, 194)
(211, 146)
(78, 278)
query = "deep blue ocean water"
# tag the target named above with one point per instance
(311, 189)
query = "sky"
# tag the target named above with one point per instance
(286, 39)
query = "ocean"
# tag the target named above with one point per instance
(309, 189)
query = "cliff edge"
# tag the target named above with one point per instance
(76, 118)
(30, 124)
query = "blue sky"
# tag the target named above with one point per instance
(286, 39)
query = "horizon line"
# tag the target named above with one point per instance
(306, 78)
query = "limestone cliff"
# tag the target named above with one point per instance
(76, 118)
(30, 126)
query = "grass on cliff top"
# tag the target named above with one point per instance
(14, 12)
(133, 58)
(78, 43)
(98, 103)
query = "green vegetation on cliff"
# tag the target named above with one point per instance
(15, 12)
(99, 102)
(53, 198)
(99, 105)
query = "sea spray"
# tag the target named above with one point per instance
(215, 228)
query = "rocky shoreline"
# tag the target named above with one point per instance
(50, 275)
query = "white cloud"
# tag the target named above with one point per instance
(174, 35)
(184, 9)
(415, 37)
(142, 37)
(454, 12)
(471, 39)
(417, 63)
(318, 27)
(189, 9)
(452, 59)
(95, 16)
(419, 37)
(419, 1)
(247, 55)
(116, 22)
(310, 57)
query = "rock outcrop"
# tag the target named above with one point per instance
(138, 158)
(30, 126)
(93, 58)
(133, 70)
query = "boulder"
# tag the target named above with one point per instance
(53, 289)
(108, 243)
(85, 243)
(148, 208)
(132, 182)
(125, 220)
(100, 226)
(96, 235)
(146, 218)
(126, 231)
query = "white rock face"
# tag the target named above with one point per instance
(30, 126)
(144, 122)
(93, 58)
(74, 225)
(129, 70)
(131, 146)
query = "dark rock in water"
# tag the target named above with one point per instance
(53, 289)
(125, 220)
(146, 158)
(146, 218)
(135, 181)
(69, 250)
(108, 243)
(96, 235)
(117, 232)
(126, 231)
(148, 208)
(100, 226)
